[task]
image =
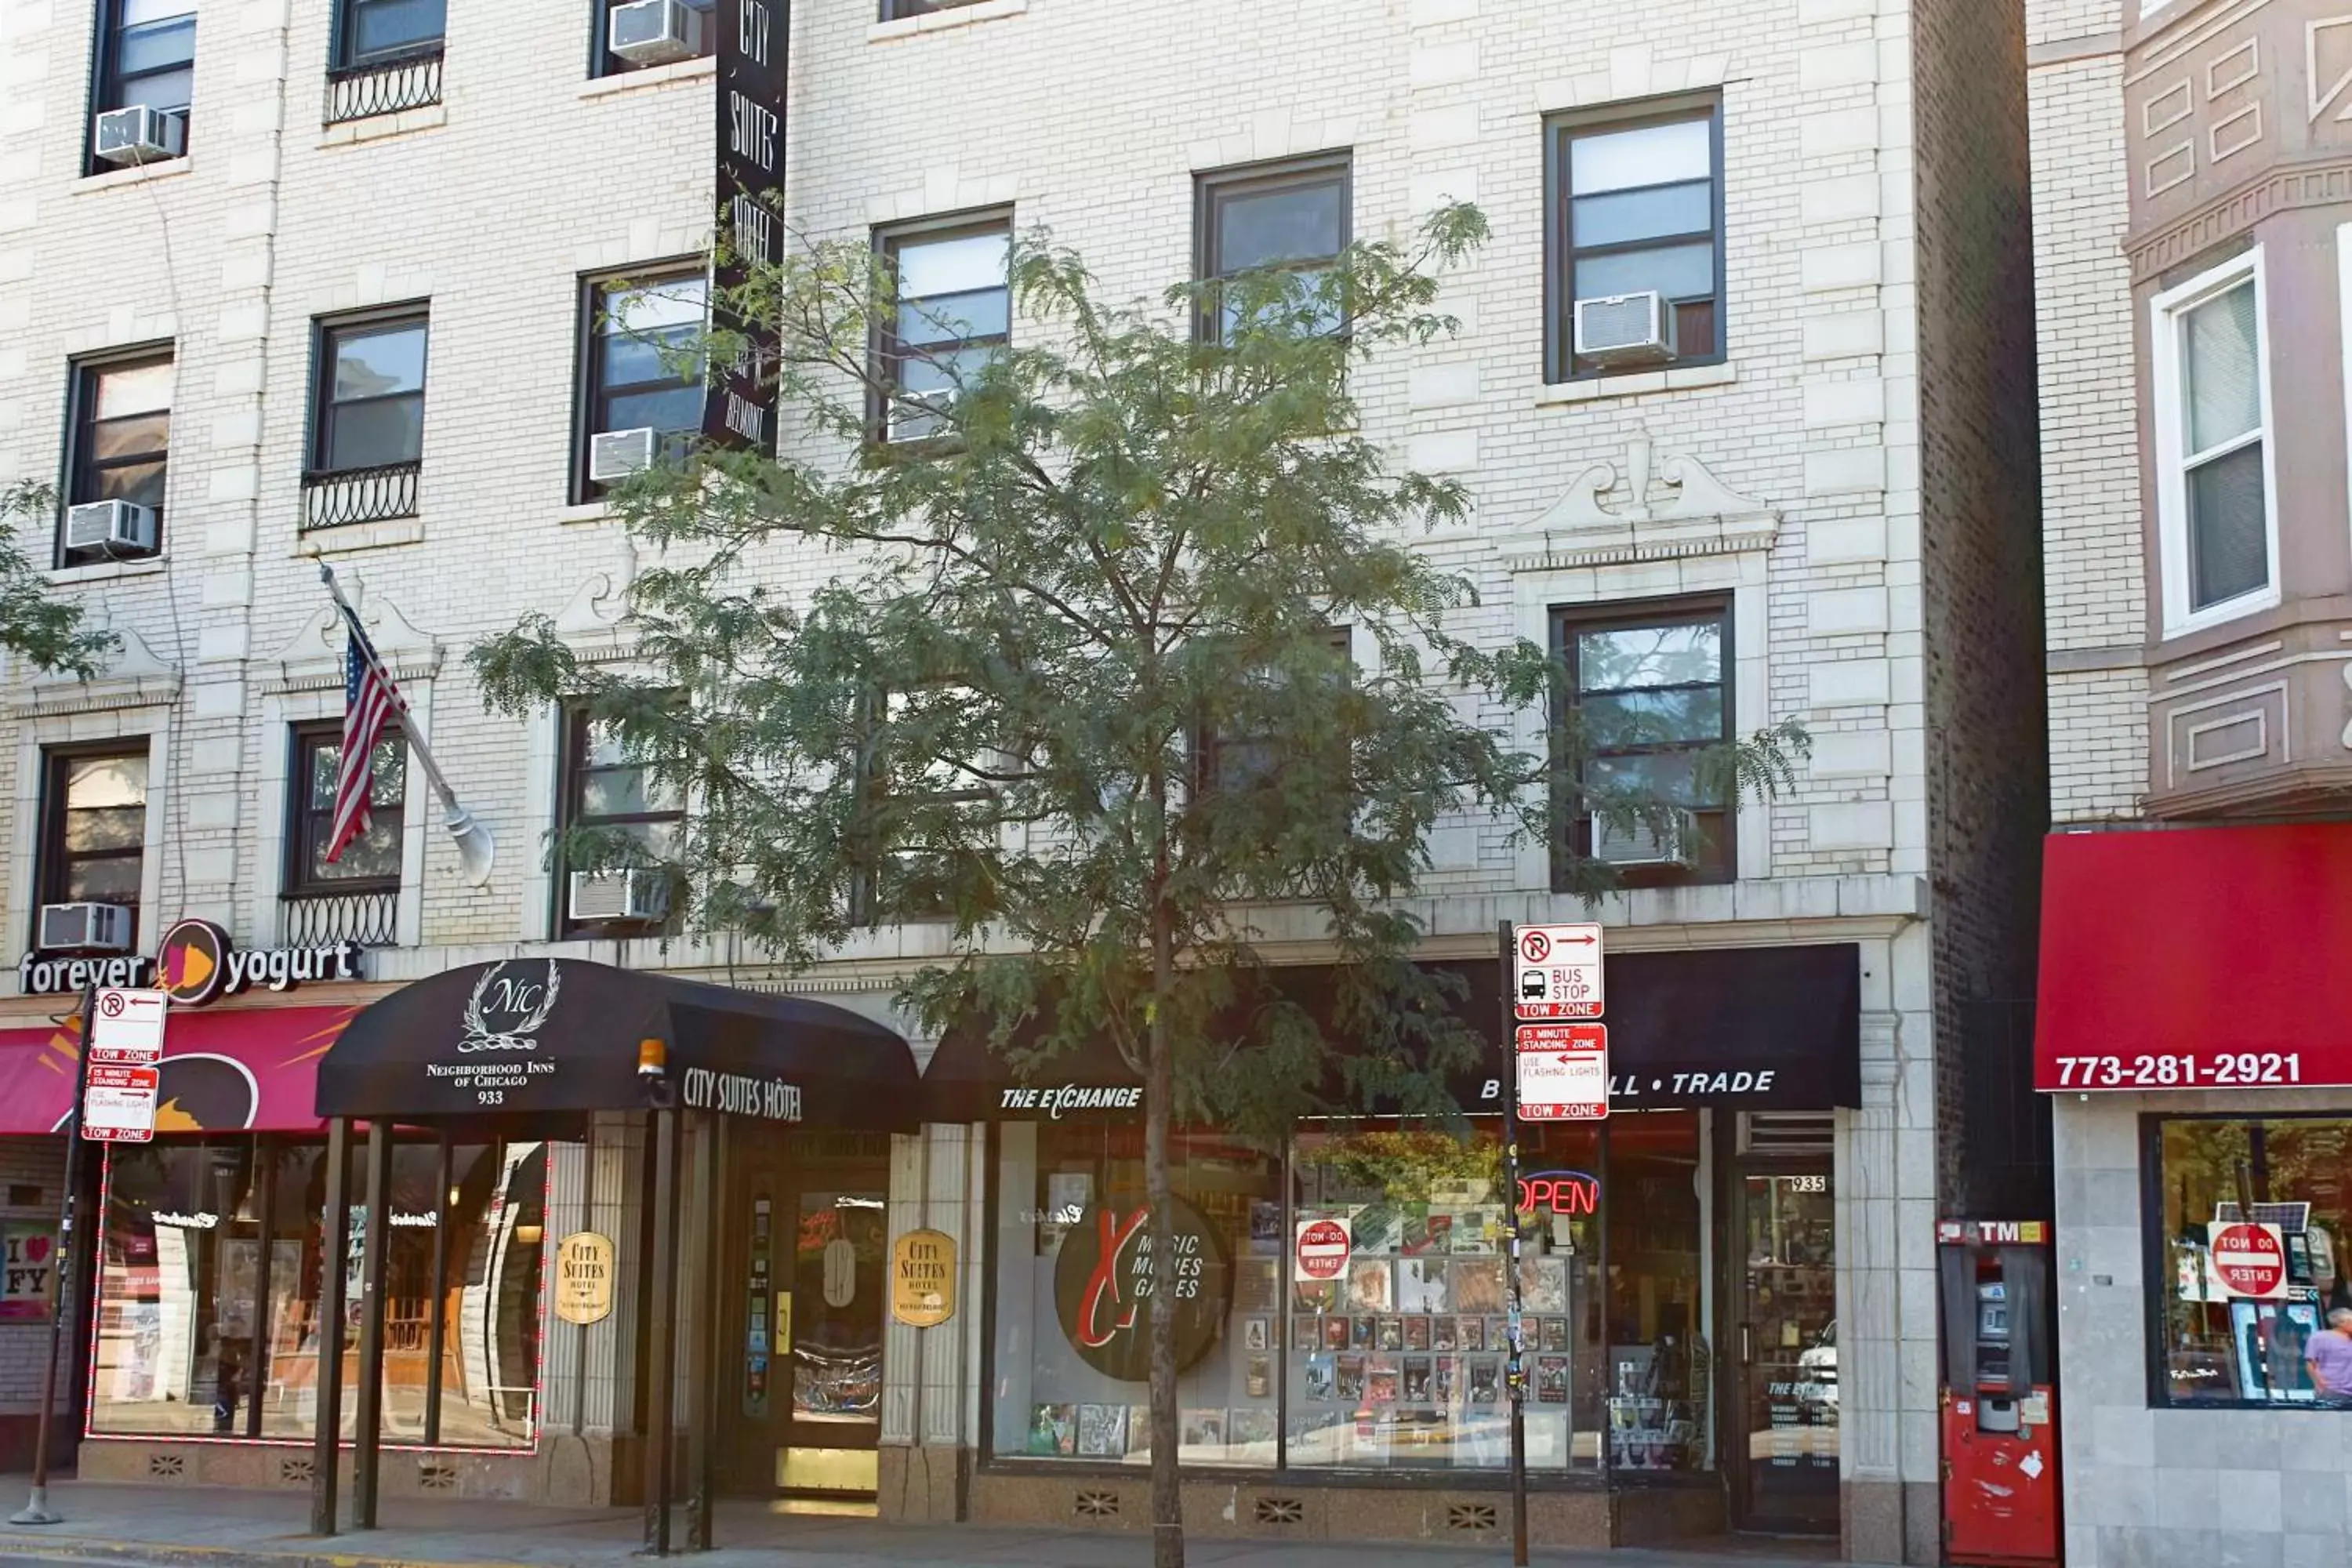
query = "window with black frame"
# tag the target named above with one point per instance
(1647, 697)
(1293, 216)
(952, 298)
(368, 405)
(639, 373)
(900, 10)
(1637, 206)
(147, 55)
(369, 863)
(606, 787)
(121, 436)
(2245, 1259)
(382, 32)
(94, 827)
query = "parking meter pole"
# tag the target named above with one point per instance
(1515, 1374)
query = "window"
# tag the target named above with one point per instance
(147, 54)
(121, 426)
(605, 787)
(1293, 216)
(370, 402)
(382, 32)
(209, 1272)
(2220, 1343)
(631, 376)
(1231, 762)
(1636, 205)
(603, 62)
(1650, 695)
(94, 828)
(897, 10)
(2213, 459)
(369, 863)
(953, 303)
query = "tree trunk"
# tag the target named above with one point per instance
(1159, 1095)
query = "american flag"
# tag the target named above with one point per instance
(370, 700)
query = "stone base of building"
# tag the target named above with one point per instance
(566, 1471)
(1891, 1521)
(19, 1435)
(923, 1485)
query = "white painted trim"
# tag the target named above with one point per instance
(2169, 417)
(543, 773)
(2344, 342)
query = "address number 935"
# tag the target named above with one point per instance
(2180, 1071)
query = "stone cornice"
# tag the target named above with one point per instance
(2283, 188)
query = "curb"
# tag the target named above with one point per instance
(171, 1554)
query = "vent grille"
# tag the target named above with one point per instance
(437, 1478)
(1470, 1516)
(1279, 1510)
(1787, 1132)
(1094, 1504)
(295, 1472)
(167, 1467)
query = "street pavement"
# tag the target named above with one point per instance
(185, 1527)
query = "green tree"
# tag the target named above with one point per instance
(36, 626)
(1074, 690)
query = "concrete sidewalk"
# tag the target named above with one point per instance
(223, 1527)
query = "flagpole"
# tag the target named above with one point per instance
(477, 850)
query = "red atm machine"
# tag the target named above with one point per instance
(2000, 1398)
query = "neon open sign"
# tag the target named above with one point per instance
(1561, 1192)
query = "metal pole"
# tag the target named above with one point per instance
(703, 1208)
(367, 1444)
(334, 1237)
(36, 1507)
(1515, 1377)
(264, 1166)
(437, 1336)
(660, 1377)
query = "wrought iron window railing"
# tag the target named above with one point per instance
(359, 495)
(369, 917)
(385, 84)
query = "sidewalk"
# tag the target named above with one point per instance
(222, 1528)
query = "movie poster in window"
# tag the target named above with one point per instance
(1106, 1288)
(740, 411)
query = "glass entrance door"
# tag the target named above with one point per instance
(1785, 1421)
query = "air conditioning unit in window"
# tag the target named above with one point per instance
(655, 32)
(1634, 843)
(85, 927)
(139, 135)
(616, 454)
(638, 896)
(1625, 329)
(113, 525)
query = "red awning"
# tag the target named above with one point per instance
(2198, 958)
(222, 1070)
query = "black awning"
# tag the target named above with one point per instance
(1763, 1028)
(545, 1037)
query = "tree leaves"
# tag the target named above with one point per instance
(45, 631)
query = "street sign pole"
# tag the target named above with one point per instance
(37, 1507)
(1514, 1379)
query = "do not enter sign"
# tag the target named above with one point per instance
(2250, 1259)
(1323, 1248)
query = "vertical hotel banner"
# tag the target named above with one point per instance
(740, 411)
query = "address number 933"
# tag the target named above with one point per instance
(2225, 1069)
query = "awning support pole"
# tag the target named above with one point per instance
(367, 1446)
(334, 1242)
(702, 1203)
(661, 1376)
(445, 1211)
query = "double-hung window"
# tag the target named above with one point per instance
(121, 427)
(900, 10)
(951, 295)
(147, 55)
(638, 369)
(1292, 217)
(94, 827)
(2214, 491)
(606, 787)
(1636, 206)
(1650, 693)
(372, 860)
(370, 401)
(384, 32)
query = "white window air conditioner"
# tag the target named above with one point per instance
(1625, 329)
(112, 525)
(139, 135)
(85, 927)
(1634, 843)
(655, 32)
(616, 454)
(637, 896)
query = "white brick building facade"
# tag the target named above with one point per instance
(1853, 545)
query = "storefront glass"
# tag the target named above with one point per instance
(1363, 1317)
(210, 1283)
(2247, 1254)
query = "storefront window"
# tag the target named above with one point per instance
(1365, 1316)
(2247, 1256)
(210, 1286)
